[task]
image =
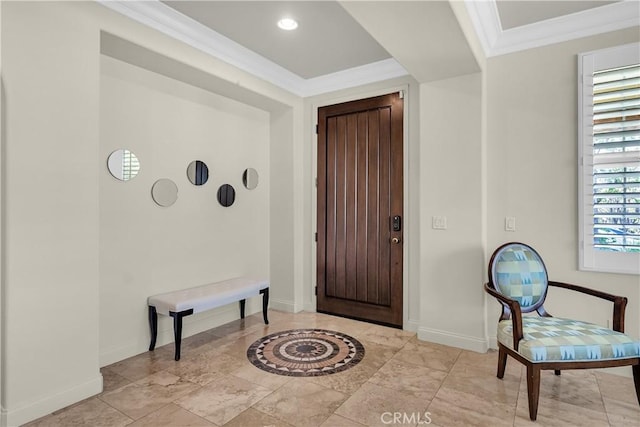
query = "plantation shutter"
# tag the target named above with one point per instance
(616, 159)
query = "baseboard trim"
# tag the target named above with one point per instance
(283, 305)
(493, 343)
(453, 340)
(40, 408)
(412, 325)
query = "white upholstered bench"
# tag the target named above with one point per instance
(179, 304)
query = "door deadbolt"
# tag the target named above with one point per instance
(396, 223)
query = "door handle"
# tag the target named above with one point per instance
(395, 240)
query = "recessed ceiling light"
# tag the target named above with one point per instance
(288, 24)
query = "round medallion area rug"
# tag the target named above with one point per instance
(305, 352)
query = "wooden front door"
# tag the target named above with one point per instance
(360, 222)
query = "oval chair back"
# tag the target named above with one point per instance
(517, 271)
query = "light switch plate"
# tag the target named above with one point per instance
(439, 222)
(510, 223)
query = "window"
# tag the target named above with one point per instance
(609, 144)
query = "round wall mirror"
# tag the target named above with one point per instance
(226, 195)
(123, 164)
(198, 172)
(250, 178)
(164, 192)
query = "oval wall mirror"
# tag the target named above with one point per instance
(250, 178)
(123, 164)
(198, 172)
(164, 192)
(226, 195)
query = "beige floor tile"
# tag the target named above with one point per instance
(376, 355)
(203, 368)
(489, 360)
(239, 328)
(237, 347)
(276, 316)
(619, 397)
(172, 415)
(149, 394)
(338, 421)
(196, 341)
(430, 355)
(555, 413)
(144, 364)
(301, 403)
(254, 418)
(481, 383)
(111, 380)
(575, 387)
(391, 337)
(353, 328)
(616, 387)
(91, 412)
(406, 377)
(452, 407)
(622, 413)
(223, 399)
(373, 405)
(290, 325)
(348, 381)
(257, 376)
(400, 381)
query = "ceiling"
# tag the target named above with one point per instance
(347, 43)
(327, 39)
(519, 13)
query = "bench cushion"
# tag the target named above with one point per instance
(206, 297)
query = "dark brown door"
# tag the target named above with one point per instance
(360, 209)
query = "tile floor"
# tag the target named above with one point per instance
(424, 383)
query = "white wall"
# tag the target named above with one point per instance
(532, 171)
(452, 260)
(50, 311)
(283, 295)
(55, 187)
(2, 127)
(60, 279)
(146, 249)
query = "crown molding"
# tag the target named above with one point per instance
(496, 41)
(163, 18)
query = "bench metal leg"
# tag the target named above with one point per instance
(153, 326)
(242, 304)
(177, 328)
(265, 303)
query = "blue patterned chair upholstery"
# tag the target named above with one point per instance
(518, 279)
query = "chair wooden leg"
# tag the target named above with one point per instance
(533, 389)
(636, 380)
(502, 362)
